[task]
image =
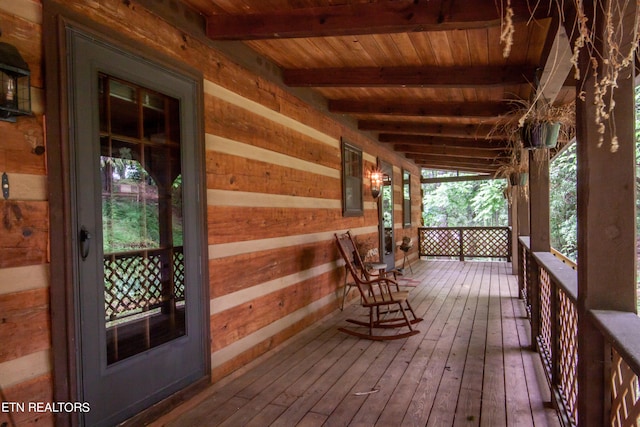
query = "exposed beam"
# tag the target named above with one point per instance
(426, 76)
(463, 163)
(461, 178)
(456, 167)
(422, 109)
(367, 18)
(557, 67)
(449, 151)
(455, 131)
(442, 141)
(455, 160)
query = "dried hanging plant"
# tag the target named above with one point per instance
(606, 63)
(507, 29)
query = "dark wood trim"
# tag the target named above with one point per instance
(63, 331)
(56, 18)
(369, 18)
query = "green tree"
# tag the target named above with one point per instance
(563, 216)
(464, 204)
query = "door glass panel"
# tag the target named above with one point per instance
(141, 218)
(387, 213)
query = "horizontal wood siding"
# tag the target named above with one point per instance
(273, 184)
(25, 330)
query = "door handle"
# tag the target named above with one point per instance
(85, 238)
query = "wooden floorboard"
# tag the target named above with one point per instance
(470, 365)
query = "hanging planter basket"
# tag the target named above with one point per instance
(531, 135)
(513, 179)
(523, 176)
(550, 132)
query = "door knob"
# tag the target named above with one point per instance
(85, 244)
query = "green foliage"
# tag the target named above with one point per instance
(128, 225)
(563, 216)
(563, 197)
(464, 204)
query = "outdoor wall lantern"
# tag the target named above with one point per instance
(15, 84)
(376, 183)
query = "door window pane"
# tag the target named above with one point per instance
(141, 219)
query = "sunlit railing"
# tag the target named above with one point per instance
(465, 242)
(549, 288)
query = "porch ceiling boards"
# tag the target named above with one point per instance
(422, 68)
(470, 365)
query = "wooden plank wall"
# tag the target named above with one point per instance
(273, 198)
(25, 367)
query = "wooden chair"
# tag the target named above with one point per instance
(387, 308)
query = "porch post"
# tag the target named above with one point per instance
(539, 227)
(606, 222)
(513, 220)
(523, 209)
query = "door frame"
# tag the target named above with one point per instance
(63, 254)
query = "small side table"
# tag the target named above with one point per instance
(406, 249)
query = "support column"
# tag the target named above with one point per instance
(539, 227)
(513, 220)
(606, 221)
(524, 228)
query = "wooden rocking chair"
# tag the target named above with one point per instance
(377, 296)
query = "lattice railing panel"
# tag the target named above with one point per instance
(485, 242)
(625, 394)
(178, 273)
(462, 242)
(439, 242)
(568, 352)
(133, 282)
(524, 262)
(544, 341)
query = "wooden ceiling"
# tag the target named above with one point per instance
(427, 77)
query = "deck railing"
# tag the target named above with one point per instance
(465, 242)
(549, 288)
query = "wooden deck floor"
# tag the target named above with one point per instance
(470, 366)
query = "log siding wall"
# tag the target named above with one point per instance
(273, 203)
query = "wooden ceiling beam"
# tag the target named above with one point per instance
(428, 158)
(454, 166)
(422, 109)
(426, 76)
(432, 129)
(443, 141)
(366, 18)
(449, 151)
(461, 178)
(556, 70)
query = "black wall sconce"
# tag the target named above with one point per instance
(15, 84)
(376, 183)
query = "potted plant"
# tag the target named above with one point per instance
(538, 124)
(542, 123)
